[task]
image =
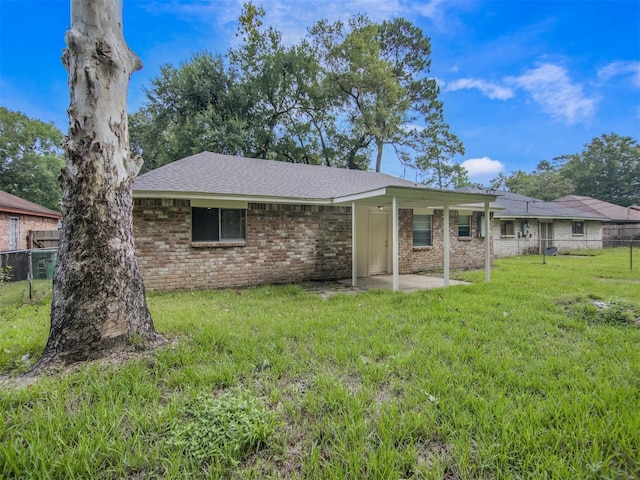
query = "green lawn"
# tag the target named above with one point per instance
(523, 377)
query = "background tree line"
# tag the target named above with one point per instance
(607, 169)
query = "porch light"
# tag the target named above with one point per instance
(380, 207)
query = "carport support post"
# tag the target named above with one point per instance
(487, 243)
(396, 249)
(446, 244)
(354, 252)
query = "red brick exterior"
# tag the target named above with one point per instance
(285, 243)
(26, 223)
(464, 253)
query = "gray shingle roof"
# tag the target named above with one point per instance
(212, 173)
(521, 206)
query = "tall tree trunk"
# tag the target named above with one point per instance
(380, 151)
(99, 300)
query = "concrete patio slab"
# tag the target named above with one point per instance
(406, 283)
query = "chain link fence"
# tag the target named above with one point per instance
(26, 274)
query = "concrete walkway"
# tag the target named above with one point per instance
(407, 283)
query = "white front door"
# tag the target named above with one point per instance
(378, 242)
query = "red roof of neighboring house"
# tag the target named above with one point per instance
(12, 204)
(615, 213)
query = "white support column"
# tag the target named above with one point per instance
(487, 243)
(447, 244)
(354, 249)
(396, 249)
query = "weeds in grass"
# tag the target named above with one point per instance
(224, 430)
(594, 311)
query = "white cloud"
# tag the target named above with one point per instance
(293, 18)
(621, 68)
(491, 90)
(482, 167)
(551, 87)
(433, 9)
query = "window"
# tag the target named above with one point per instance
(14, 233)
(578, 228)
(218, 225)
(464, 225)
(506, 228)
(421, 230)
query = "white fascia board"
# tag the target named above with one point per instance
(545, 217)
(452, 198)
(380, 192)
(236, 198)
(477, 207)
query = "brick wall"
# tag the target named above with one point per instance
(514, 245)
(563, 237)
(464, 252)
(26, 223)
(285, 243)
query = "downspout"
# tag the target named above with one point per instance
(487, 243)
(354, 250)
(447, 243)
(396, 249)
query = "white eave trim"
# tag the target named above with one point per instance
(380, 192)
(227, 197)
(546, 217)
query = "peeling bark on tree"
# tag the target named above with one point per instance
(99, 300)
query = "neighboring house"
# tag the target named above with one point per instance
(526, 225)
(211, 221)
(18, 217)
(620, 223)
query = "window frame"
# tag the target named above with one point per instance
(466, 226)
(574, 231)
(217, 234)
(504, 230)
(14, 233)
(429, 241)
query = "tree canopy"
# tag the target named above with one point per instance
(30, 158)
(338, 97)
(607, 169)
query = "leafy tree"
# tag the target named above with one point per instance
(608, 169)
(338, 97)
(544, 183)
(30, 158)
(278, 81)
(437, 148)
(380, 74)
(199, 106)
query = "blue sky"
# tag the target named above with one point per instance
(521, 81)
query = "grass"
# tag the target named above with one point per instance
(518, 378)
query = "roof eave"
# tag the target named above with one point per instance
(31, 213)
(228, 197)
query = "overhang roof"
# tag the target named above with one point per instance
(11, 204)
(514, 205)
(212, 175)
(613, 212)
